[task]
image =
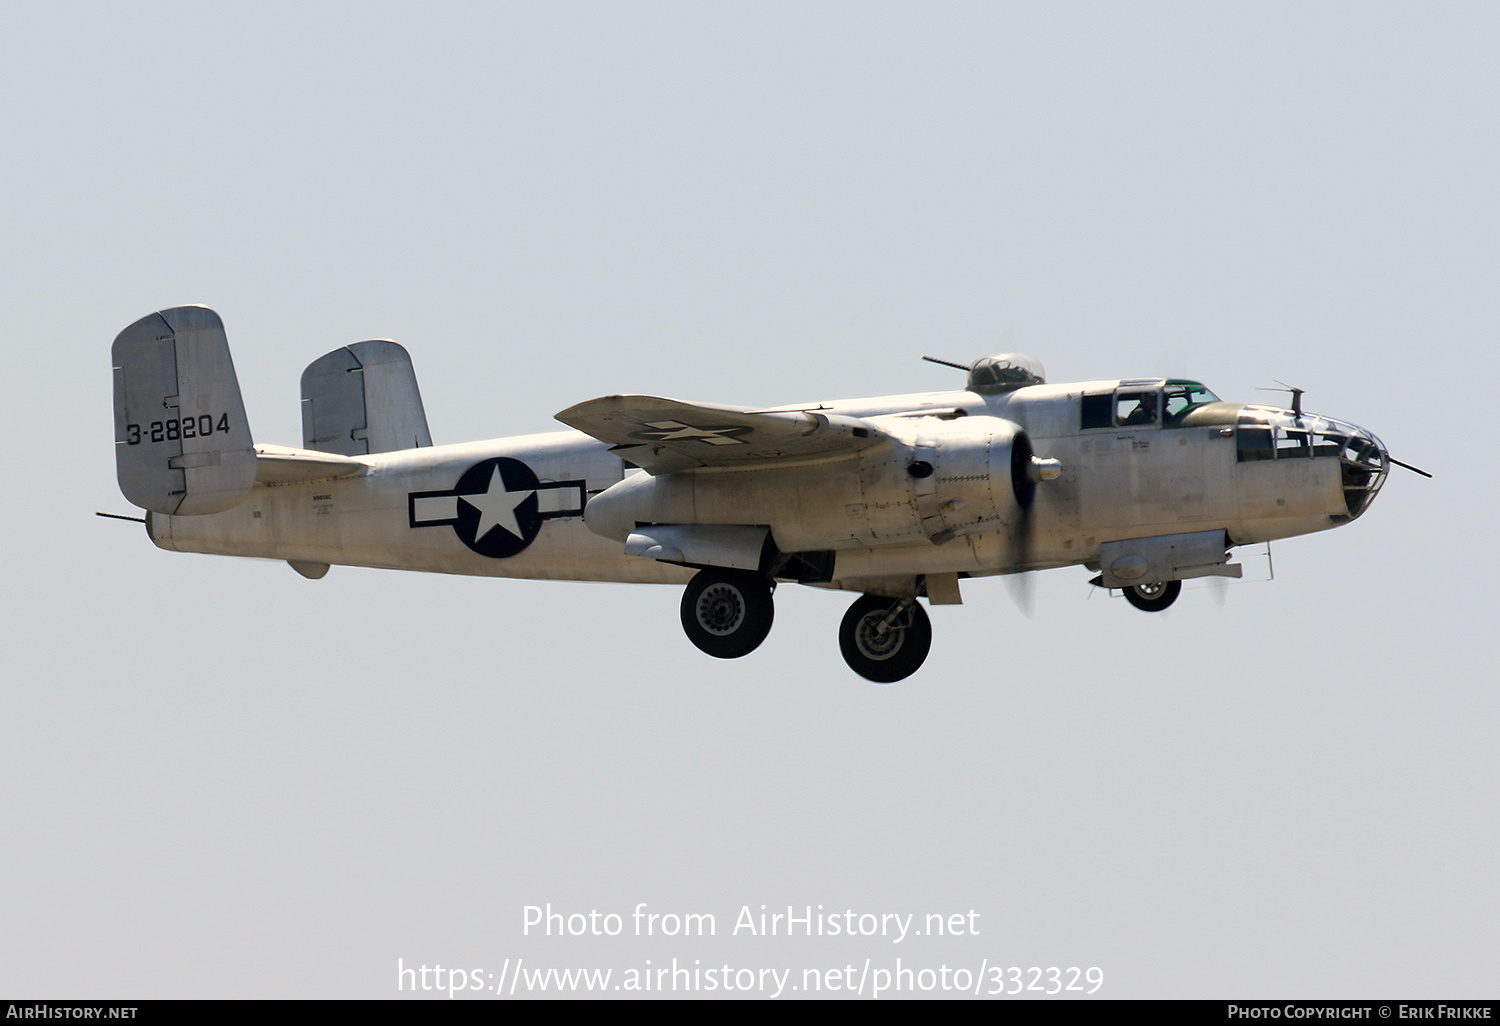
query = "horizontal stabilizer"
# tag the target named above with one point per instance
(663, 436)
(182, 444)
(279, 465)
(361, 399)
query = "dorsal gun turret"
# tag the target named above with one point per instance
(1004, 373)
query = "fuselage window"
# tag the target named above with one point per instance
(1254, 443)
(1327, 444)
(1136, 409)
(1277, 443)
(1097, 410)
(1291, 445)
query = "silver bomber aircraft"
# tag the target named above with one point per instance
(1147, 482)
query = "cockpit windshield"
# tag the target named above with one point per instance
(1182, 396)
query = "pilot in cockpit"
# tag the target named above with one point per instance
(1144, 412)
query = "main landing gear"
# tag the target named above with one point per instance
(728, 613)
(1153, 597)
(885, 640)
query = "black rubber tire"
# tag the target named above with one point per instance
(1153, 598)
(896, 657)
(727, 613)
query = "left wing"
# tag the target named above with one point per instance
(663, 436)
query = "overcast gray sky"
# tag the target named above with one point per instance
(220, 779)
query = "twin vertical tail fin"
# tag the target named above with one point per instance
(363, 399)
(182, 443)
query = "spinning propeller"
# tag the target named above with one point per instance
(1004, 373)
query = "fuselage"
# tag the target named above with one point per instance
(1138, 459)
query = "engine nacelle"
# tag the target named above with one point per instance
(972, 474)
(935, 479)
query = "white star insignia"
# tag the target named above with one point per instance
(674, 431)
(497, 507)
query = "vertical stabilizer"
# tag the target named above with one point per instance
(362, 399)
(182, 444)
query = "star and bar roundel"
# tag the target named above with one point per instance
(498, 506)
(677, 431)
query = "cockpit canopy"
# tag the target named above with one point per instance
(1142, 402)
(1004, 373)
(1182, 396)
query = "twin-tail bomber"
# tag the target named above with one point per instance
(1146, 481)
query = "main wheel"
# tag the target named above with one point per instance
(1154, 597)
(889, 656)
(727, 613)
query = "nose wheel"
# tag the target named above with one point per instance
(1153, 597)
(885, 640)
(727, 613)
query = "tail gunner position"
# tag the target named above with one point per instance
(1146, 481)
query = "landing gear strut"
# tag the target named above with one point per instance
(727, 613)
(1154, 597)
(885, 640)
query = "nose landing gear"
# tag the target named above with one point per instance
(1153, 597)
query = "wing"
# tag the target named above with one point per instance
(663, 436)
